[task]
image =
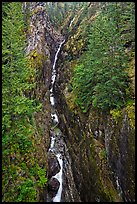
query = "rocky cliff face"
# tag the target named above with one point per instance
(101, 148)
(101, 145)
(89, 163)
(42, 40)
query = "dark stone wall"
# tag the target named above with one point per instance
(115, 136)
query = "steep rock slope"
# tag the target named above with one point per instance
(42, 40)
(101, 145)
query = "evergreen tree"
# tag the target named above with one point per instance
(21, 171)
(101, 79)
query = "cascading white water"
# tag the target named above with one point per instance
(52, 101)
(55, 121)
(54, 117)
(54, 73)
(72, 21)
(58, 176)
(54, 64)
(52, 143)
(58, 150)
(118, 186)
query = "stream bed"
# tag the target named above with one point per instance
(61, 185)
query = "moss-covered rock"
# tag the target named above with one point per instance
(97, 163)
(36, 60)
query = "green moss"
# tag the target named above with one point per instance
(76, 42)
(105, 186)
(109, 191)
(116, 114)
(36, 59)
(34, 11)
(102, 154)
(130, 109)
(131, 114)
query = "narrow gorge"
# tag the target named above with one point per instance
(80, 80)
(59, 162)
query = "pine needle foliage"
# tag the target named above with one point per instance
(21, 174)
(100, 78)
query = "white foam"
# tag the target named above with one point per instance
(55, 117)
(58, 176)
(52, 100)
(53, 79)
(52, 143)
(72, 21)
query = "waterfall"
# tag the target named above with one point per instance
(54, 137)
(57, 198)
(58, 151)
(54, 73)
(71, 22)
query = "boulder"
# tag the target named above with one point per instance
(53, 165)
(53, 184)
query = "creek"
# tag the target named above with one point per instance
(54, 136)
(61, 185)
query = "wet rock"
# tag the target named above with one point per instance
(53, 165)
(53, 184)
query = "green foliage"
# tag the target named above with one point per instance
(24, 191)
(29, 185)
(42, 179)
(116, 114)
(103, 154)
(100, 78)
(18, 148)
